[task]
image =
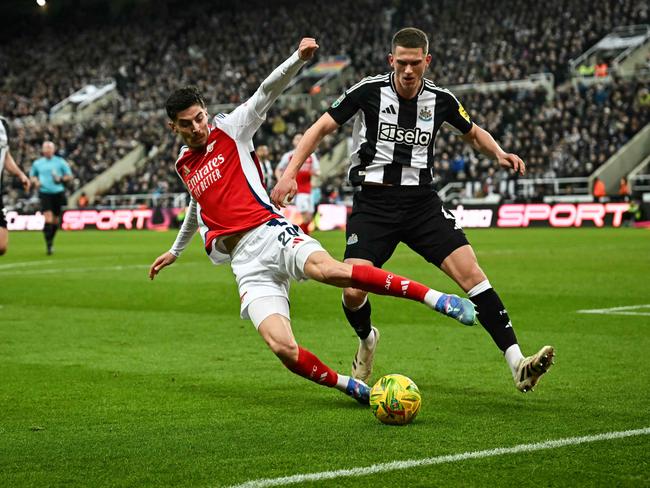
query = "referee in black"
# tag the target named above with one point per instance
(397, 116)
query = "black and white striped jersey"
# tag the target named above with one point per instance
(4, 149)
(393, 138)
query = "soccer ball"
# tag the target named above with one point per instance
(395, 399)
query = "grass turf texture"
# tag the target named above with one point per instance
(108, 379)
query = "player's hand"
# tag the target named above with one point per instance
(307, 48)
(160, 262)
(27, 184)
(284, 191)
(513, 162)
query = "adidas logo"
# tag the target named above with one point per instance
(353, 239)
(405, 286)
(389, 110)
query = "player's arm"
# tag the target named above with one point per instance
(284, 162)
(13, 168)
(33, 175)
(66, 173)
(273, 86)
(246, 119)
(286, 187)
(183, 238)
(482, 141)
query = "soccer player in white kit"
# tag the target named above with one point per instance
(237, 221)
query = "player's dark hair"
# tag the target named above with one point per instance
(412, 38)
(182, 99)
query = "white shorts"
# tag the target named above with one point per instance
(266, 259)
(303, 203)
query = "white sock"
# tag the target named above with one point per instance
(513, 356)
(480, 288)
(431, 298)
(342, 382)
(369, 341)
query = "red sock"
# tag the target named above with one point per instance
(305, 227)
(382, 282)
(310, 367)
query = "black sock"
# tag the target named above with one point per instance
(47, 232)
(55, 227)
(494, 318)
(359, 319)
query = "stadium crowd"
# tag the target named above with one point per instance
(145, 49)
(224, 51)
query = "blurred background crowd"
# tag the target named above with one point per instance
(151, 48)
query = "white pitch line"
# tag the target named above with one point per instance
(25, 263)
(76, 270)
(451, 458)
(619, 310)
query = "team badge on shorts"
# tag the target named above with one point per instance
(353, 239)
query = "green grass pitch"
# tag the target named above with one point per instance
(109, 379)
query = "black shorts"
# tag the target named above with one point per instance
(382, 217)
(3, 220)
(52, 202)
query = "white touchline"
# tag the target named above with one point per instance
(450, 458)
(619, 310)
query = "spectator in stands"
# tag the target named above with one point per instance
(49, 175)
(586, 70)
(82, 201)
(633, 214)
(599, 191)
(624, 192)
(601, 69)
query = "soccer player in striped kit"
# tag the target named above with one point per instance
(238, 223)
(7, 162)
(397, 117)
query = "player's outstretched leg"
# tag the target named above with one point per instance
(322, 267)
(275, 329)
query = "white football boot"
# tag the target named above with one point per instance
(362, 363)
(531, 368)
